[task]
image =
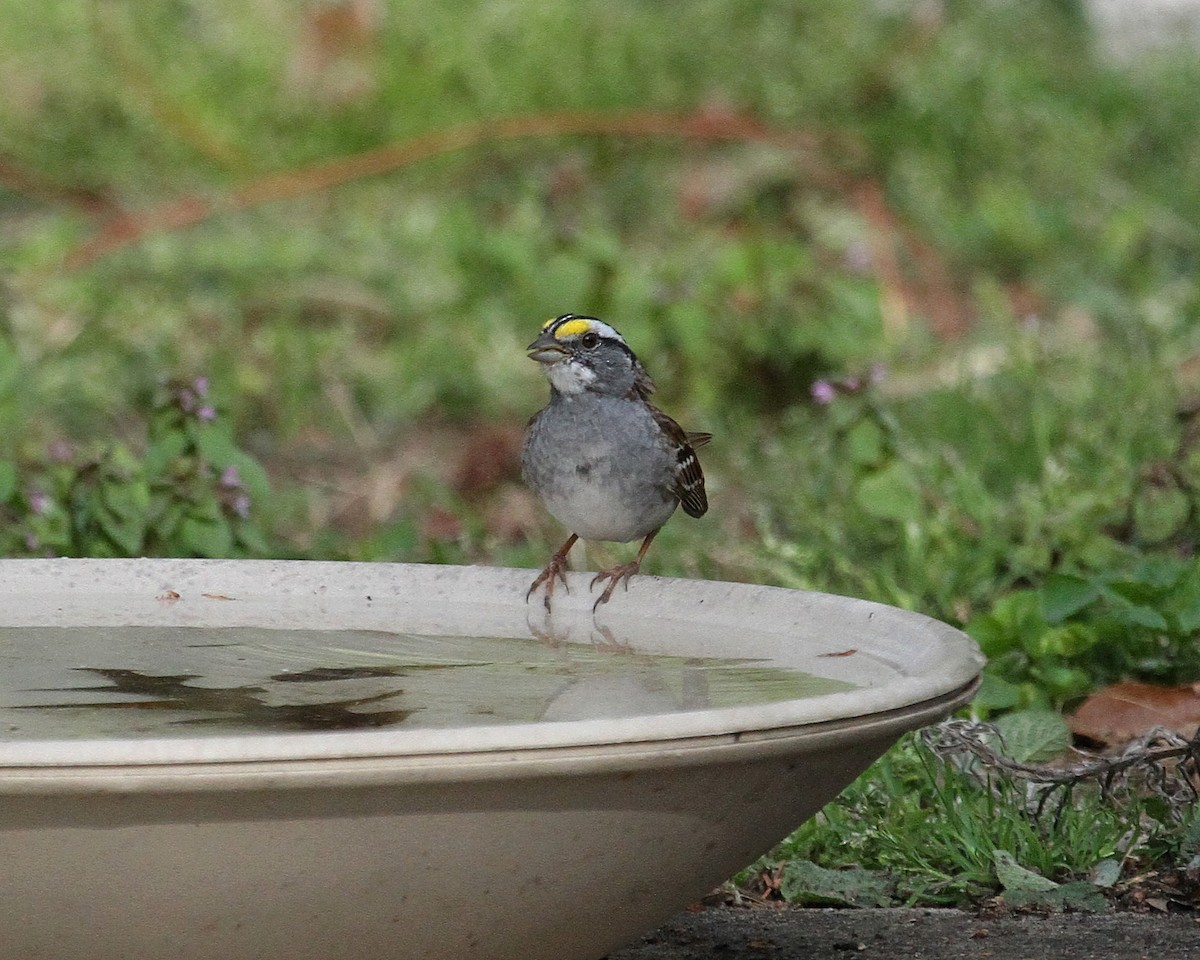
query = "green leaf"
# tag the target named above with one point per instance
(1033, 736)
(1183, 603)
(1016, 879)
(1082, 896)
(1064, 595)
(1024, 888)
(206, 508)
(995, 693)
(1160, 512)
(167, 515)
(1188, 617)
(891, 493)
(8, 480)
(864, 443)
(1136, 615)
(126, 532)
(1015, 622)
(803, 881)
(164, 451)
(206, 538)
(1156, 573)
(254, 477)
(127, 499)
(1068, 641)
(216, 444)
(119, 464)
(251, 539)
(1128, 589)
(993, 635)
(1061, 681)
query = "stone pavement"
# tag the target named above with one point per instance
(729, 933)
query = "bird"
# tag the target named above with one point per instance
(604, 461)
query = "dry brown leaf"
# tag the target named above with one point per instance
(1125, 711)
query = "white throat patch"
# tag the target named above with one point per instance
(570, 376)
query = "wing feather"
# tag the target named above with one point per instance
(688, 480)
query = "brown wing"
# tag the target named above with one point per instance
(688, 483)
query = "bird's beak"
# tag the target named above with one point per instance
(545, 349)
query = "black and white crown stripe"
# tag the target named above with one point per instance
(598, 326)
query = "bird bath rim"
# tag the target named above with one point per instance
(934, 664)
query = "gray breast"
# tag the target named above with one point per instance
(600, 466)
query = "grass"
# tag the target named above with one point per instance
(928, 275)
(934, 833)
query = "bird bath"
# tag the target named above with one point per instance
(291, 760)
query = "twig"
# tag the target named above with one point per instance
(85, 201)
(1161, 761)
(701, 126)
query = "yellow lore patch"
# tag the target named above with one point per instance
(572, 328)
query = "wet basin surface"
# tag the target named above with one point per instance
(172, 681)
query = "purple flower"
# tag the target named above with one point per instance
(878, 372)
(230, 478)
(39, 502)
(241, 505)
(32, 543)
(207, 413)
(823, 392)
(200, 386)
(852, 384)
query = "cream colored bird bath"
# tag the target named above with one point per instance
(289, 760)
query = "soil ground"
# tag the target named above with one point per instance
(726, 933)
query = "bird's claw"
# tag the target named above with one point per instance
(618, 574)
(555, 570)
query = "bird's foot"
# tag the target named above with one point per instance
(615, 575)
(555, 571)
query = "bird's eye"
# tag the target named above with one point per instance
(590, 341)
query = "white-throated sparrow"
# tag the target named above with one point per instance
(606, 463)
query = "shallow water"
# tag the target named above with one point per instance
(103, 682)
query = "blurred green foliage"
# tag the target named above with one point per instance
(1050, 645)
(1041, 195)
(189, 493)
(978, 166)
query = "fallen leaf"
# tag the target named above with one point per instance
(1126, 711)
(1033, 736)
(1026, 889)
(803, 881)
(840, 653)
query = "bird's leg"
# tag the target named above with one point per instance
(622, 571)
(555, 570)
